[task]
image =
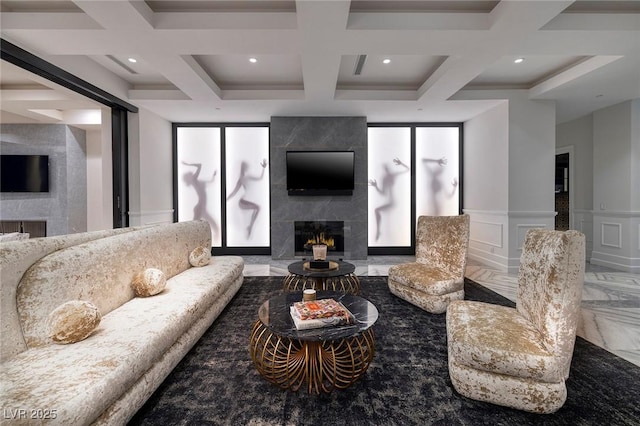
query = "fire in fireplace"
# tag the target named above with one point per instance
(308, 233)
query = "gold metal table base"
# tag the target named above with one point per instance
(320, 366)
(348, 283)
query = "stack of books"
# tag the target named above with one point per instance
(319, 313)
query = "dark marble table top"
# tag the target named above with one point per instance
(275, 314)
(344, 268)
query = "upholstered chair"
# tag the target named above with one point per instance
(520, 357)
(437, 275)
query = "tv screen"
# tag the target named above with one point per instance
(24, 173)
(320, 172)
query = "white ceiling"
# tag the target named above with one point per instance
(193, 56)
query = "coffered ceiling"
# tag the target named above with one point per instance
(210, 60)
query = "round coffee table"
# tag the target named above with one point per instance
(320, 359)
(339, 276)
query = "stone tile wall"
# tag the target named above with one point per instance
(318, 134)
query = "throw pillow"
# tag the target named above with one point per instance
(73, 321)
(200, 256)
(149, 282)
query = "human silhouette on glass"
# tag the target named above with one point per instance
(191, 178)
(386, 190)
(243, 180)
(434, 169)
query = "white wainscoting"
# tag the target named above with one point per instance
(611, 234)
(488, 237)
(519, 223)
(150, 217)
(638, 242)
(523, 228)
(497, 237)
(583, 222)
(615, 244)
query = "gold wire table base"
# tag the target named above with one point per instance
(348, 283)
(320, 366)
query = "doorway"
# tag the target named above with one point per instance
(119, 124)
(562, 192)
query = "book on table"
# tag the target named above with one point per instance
(319, 313)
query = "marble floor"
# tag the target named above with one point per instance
(610, 299)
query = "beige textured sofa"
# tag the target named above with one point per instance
(107, 377)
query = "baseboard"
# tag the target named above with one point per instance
(619, 263)
(489, 259)
(150, 217)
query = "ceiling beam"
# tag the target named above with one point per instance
(119, 15)
(577, 71)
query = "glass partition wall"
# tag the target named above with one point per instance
(247, 178)
(389, 168)
(413, 170)
(222, 176)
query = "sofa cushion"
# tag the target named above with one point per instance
(498, 339)
(73, 321)
(86, 378)
(414, 275)
(200, 256)
(149, 282)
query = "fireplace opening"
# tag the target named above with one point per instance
(308, 233)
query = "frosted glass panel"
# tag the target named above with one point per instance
(199, 189)
(247, 176)
(437, 171)
(389, 159)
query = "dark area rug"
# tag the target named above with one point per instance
(406, 384)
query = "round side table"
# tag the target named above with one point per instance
(339, 276)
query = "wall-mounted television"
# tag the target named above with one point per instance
(320, 172)
(24, 173)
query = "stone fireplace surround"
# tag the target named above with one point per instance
(318, 134)
(64, 207)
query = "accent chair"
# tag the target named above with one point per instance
(520, 357)
(437, 276)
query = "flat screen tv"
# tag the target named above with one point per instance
(320, 172)
(24, 173)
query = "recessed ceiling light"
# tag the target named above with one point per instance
(518, 61)
(132, 60)
(386, 61)
(253, 60)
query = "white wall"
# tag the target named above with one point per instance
(94, 181)
(531, 154)
(99, 175)
(577, 136)
(486, 185)
(616, 209)
(486, 159)
(513, 190)
(107, 170)
(611, 159)
(150, 169)
(635, 157)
